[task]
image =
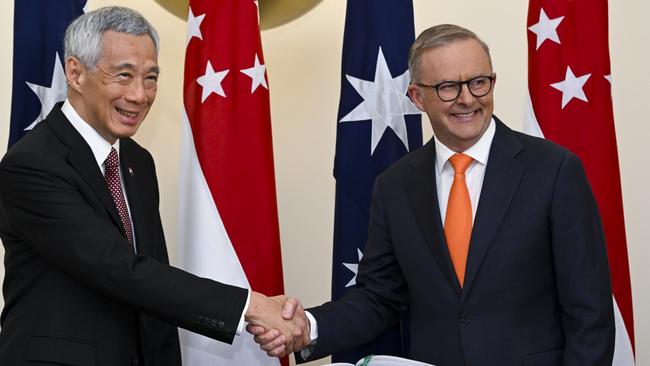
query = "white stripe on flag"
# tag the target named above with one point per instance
(531, 126)
(623, 355)
(205, 250)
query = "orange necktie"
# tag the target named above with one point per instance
(458, 220)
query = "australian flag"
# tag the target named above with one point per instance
(38, 77)
(377, 124)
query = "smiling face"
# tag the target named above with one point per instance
(116, 95)
(458, 124)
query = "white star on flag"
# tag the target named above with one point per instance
(384, 102)
(211, 82)
(546, 28)
(354, 267)
(571, 87)
(52, 95)
(608, 77)
(256, 73)
(194, 26)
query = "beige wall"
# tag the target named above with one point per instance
(303, 63)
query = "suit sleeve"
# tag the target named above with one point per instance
(581, 268)
(377, 301)
(47, 212)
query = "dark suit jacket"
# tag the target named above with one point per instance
(537, 288)
(76, 293)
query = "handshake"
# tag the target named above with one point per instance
(279, 324)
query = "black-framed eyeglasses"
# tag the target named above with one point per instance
(448, 91)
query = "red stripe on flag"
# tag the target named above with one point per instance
(584, 127)
(232, 135)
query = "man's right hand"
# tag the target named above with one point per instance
(277, 343)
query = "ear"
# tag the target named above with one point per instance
(416, 95)
(74, 73)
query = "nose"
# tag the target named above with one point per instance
(465, 96)
(137, 92)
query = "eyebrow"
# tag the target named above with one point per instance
(129, 66)
(468, 79)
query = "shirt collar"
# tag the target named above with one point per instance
(479, 151)
(99, 146)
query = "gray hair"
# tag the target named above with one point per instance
(83, 38)
(437, 36)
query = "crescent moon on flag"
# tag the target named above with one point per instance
(273, 13)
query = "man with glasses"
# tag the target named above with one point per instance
(486, 240)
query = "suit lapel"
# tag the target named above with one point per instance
(423, 197)
(129, 169)
(502, 177)
(81, 158)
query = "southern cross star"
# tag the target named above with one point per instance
(384, 102)
(354, 267)
(52, 95)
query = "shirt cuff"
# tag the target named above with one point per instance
(240, 326)
(313, 335)
(313, 326)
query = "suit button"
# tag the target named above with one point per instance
(206, 321)
(213, 323)
(221, 324)
(466, 318)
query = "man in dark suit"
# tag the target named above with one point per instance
(87, 277)
(500, 262)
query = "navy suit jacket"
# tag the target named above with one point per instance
(75, 291)
(537, 289)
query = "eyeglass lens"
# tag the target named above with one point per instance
(478, 87)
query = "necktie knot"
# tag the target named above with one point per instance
(112, 159)
(460, 162)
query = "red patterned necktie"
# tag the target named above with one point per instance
(112, 177)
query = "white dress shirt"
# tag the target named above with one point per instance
(100, 148)
(474, 174)
(444, 173)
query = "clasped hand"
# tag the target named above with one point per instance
(279, 324)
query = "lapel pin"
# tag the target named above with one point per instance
(131, 172)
